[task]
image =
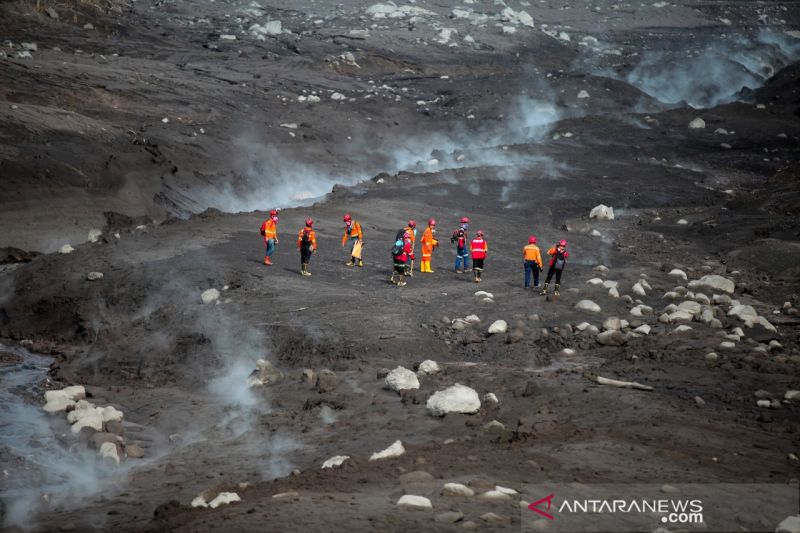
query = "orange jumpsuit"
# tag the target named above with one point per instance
(355, 232)
(428, 244)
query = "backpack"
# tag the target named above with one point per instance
(559, 261)
(306, 239)
(397, 249)
(400, 235)
(459, 238)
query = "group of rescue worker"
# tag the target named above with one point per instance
(403, 251)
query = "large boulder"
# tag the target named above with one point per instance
(713, 282)
(400, 379)
(602, 212)
(455, 399)
(587, 305)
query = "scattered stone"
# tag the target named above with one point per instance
(727, 345)
(601, 268)
(490, 397)
(110, 414)
(612, 338)
(613, 292)
(395, 450)
(682, 329)
(336, 460)
(457, 489)
(428, 367)
(791, 395)
(764, 403)
(644, 329)
(623, 384)
(683, 222)
(66, 249)
(494, 495)
(455, 399)
(409, 501)
(638, 289)
(401, 379)
(327, 381)
(601, 212)
(472, 319)
(288, 495)
(582, 96)
(505, 490)
(697, 124)
(94, 235)
(790, 524)
(498, 326)
(94, 276)
(612, 323)
(450, 517)
(484, 294)
(711, 356)
(264, 374)
(699, 402)
(133, 451)
(492, 518)
(587, 305)
(209, 295)
(595, 281)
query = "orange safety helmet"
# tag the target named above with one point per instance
(309, 222)
(532, 239)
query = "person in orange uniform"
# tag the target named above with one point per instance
(307, 244)
(429, 242)
(269, 230)
(353, 233)
(479, 249)
(533, 262)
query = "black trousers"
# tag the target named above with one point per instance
(477, 264)
(550, 273)
(305, 255)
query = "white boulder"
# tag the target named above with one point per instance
(455, 399)
(94, 276)
(336, 460)
(498, 326)
(713, 282)
(601, 212)
(678, 274)
(587, 305)
(697, 124)
(395, 450)
(457, 489)
(429, 367)
(108, 451)
(409, 501)
(209, 296)
(224, 498)
(400, 379)
(66, 249)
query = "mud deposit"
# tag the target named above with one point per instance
(152, 137)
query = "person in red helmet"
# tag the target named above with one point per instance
(401, 253)
(411, 228)
(269, 230)
(461, 239)
(353, 233)
(532, 257)
(307, 244)
(479, 249)
(429, 242)
(558, 260)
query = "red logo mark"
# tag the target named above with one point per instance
(534, 505)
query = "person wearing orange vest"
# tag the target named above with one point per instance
(479, 248)
(533, 262)
(269, 230)
(307, 244)
(353, 233)
(429, 242)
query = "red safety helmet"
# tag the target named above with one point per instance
(562, 242)
(309, 222)
(479, 233)
(348, 218)
(273, 213)
(431, 221)
(412, 223)
(532, 239)
(464, 220)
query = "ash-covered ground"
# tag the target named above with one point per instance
(149, 140)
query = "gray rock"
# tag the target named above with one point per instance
(264, 374)
(612, 338)
(133, 451)
(450, 517)
(327, 381)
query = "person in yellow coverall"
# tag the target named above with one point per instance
(429, 242)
